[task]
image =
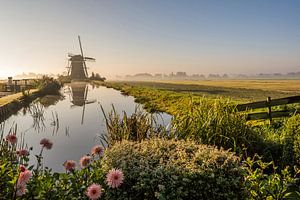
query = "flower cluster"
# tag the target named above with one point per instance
(94, 190)
(114, 177)
(25, 174)
(23, 179)
(70, 165)
(12, 138)
(46, 143)
(22, 152)
(97, 150)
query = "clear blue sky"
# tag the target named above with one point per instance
(125, 37)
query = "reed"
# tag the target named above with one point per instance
(136, 127)
(214, 122)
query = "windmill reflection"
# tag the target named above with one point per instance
(78, 96)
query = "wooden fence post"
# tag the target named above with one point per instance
(269, 109)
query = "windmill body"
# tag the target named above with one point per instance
(77, 69)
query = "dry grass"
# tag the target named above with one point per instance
(270, 85)
(2, 86)
(10, 98)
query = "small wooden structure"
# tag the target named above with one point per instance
(269, 103)
(18, 85)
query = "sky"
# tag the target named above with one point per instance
(154, 36)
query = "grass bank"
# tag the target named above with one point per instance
(15, 97)
(12, 103)
(212, 118)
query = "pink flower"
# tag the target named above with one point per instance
(97, 150)
(114, 178)
(94, 191)
(21, 189)
(85, 161)
(22, 152)
(46, 143)
(24, 177)
(12, 138)
(22, 168)
(70, 165)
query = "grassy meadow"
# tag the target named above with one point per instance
(281, 85)
(197, 106)
(241, 91)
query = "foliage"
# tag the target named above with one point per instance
(262, 181)
(64, 79)
(48, 85)
(214, 122)
(97, 77)
(170, 169)
(211, 120)
(137, 127)
(290, 138)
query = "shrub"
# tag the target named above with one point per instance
(291, 140)
(170, 169)
(48, 85)
(264, 181)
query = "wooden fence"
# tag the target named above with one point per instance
(269, 103)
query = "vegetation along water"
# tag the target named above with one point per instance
(210, 150)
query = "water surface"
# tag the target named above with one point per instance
(80, 122)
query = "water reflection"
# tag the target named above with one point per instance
(74, 123)
(78, 93)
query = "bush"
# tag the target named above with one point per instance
(170, 169)
(48, 85)
(264, 181)
(291, 140)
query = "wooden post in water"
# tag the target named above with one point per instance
(15, 87)
(269, 109)
(25, 83)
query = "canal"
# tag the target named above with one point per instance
(72, 122)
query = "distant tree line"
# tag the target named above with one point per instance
(97, 77)
(185, 76)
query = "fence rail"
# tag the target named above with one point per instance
(269, 103)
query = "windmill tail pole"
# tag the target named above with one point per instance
(80, 46)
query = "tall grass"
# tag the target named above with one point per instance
(137, 127)
(213, 122)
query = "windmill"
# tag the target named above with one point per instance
(76, 64)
